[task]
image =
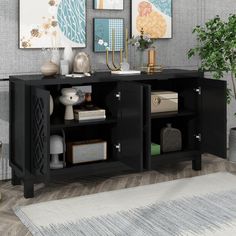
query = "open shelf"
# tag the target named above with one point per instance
(172, 114)
(58, 123)
(94, 168)
(170, 157)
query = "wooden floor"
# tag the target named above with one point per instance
(12, 196)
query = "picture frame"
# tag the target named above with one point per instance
(49, 26)
(115, 5)
(102, 34)
(154, 17)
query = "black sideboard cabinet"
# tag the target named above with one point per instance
(129, 128)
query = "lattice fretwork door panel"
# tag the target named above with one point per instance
(40, 133)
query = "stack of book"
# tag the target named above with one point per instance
(84, 114)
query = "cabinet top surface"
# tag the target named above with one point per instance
(105, 77)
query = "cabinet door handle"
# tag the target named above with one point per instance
(198, 90)
(118, 147)
(198, 137)
(118, 96)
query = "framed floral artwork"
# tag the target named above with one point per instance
(108, 4)
(108, 34)
(153, 16)
(52, 23)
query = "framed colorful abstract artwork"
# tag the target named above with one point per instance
(108, 34)
(153, 16)
(108, 4)
(52, 23)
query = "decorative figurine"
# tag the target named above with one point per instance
(123, 68)
(68, 99)
(57, 147)
(82, 63)
(113, 67)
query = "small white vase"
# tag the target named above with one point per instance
(69, 56)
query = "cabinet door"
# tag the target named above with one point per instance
(40, 132)
(147, 126)
(130, 125)
(213, 117)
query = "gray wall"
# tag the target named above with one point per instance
(171, 52)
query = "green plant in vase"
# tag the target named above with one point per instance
(141, 43)
(217, 48)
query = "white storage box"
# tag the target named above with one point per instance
(164, 101)
(86, 151)
(95, 114)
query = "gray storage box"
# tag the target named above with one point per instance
(164, 101)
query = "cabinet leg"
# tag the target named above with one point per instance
(14, 179)
(28, 189)
(197, 163)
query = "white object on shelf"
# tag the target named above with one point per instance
(64, 67)
(76, 75)
(56, 148)
(51, 105)
(125, 65)
(69, 56)
(68, 99)
(128, 72)
(90, 114)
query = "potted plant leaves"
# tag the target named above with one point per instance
(217, 51)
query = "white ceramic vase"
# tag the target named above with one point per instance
(49, 68)
(69, 56)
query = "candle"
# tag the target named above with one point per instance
(152, 57)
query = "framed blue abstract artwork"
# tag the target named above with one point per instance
(153, 16)
(52, 23)
(108, 34)
(108, 4)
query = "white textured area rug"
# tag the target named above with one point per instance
(204, 205)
